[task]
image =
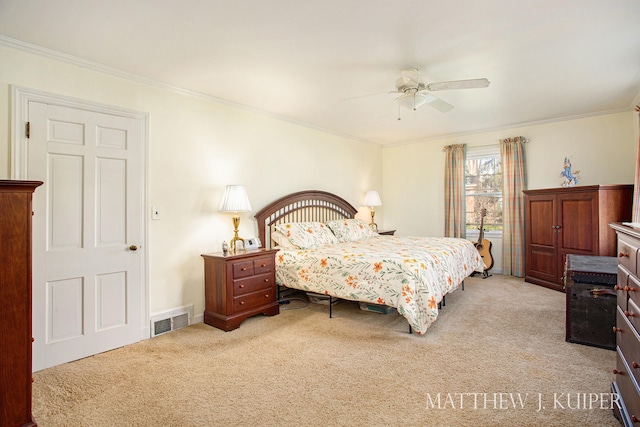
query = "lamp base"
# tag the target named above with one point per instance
(373, 225)
(233, 245)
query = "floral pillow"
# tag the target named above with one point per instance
(307, 235)
(351, 230)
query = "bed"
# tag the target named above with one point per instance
(323, 249)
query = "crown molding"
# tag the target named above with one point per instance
(116, 72)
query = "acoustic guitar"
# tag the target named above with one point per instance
(484, 247)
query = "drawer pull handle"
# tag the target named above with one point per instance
(241, 286)
(618, 288)
(635, 365)
(629, 313)
(263, 265)
(634, 419)
(630, 289)
(266, 280)
(616, 329)
(241, 302)
(622, 255)
(615, 371)
(243, 269)
(266, 296)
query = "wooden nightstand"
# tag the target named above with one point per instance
(238, 286)
(386, 232)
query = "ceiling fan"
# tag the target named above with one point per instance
(415, 92)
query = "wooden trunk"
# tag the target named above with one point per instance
(591, 300)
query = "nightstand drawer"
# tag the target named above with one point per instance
(251, 267)
(256, 299)
(252, 284)
(243, 269)
(263, 265)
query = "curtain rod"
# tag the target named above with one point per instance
(525, 140)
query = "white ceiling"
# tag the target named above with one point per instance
(311, 62)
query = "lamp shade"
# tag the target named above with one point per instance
(372, 199)
(235, 199)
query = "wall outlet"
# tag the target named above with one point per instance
(155, 213)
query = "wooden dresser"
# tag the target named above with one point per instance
(15, 300)
(237, 286)
(561, 221)
(627, 329)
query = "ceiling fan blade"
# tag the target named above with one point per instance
(459, 84)
(440, 105)
(409, 77)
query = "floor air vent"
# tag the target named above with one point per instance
(161, 326)
(170, 321)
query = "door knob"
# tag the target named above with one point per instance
(133, 248)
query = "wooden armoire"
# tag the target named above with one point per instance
(574, 220)
(15, 302)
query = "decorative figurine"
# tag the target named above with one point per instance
(225, 248)
(571, 178)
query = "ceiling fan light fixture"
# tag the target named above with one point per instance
(411, 101)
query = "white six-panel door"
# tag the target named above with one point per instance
(87, 248)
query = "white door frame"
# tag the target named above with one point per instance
(20, 98)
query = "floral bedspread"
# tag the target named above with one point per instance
(411, 274)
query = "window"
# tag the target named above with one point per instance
(483, 189)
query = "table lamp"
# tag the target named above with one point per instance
(372, 199)
(235, 200)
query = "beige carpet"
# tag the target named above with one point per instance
(499, 335)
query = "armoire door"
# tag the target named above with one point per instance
(578, 221)
(541, 237)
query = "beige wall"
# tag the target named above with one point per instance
(603, 148)
(196, 148)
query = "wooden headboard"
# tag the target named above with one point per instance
(302, 206)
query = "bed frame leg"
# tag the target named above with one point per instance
(410, 329)
(463, 285)
(330, 306)
(444, 301)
